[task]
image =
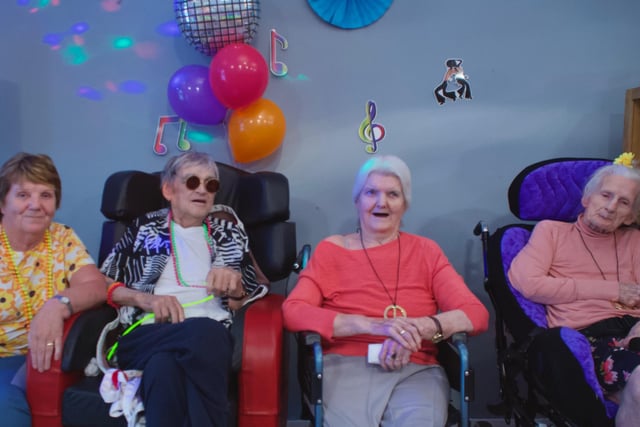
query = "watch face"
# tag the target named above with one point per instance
(437, 338)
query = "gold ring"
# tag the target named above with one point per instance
(49, 344)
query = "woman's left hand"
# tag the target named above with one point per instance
(45, 335)
(224, 281)
(633, 333)
(393, 355)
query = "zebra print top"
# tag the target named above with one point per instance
(144, 250)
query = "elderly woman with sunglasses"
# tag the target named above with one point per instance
(184, 269)
(46, 274)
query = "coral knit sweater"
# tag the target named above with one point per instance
(340, 280)
(556, 269)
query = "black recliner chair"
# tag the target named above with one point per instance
(64, 396)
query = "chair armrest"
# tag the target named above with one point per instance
(45, 389)
(310, 371)
(453, 356)
(262, 382)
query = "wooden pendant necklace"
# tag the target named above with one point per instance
(206, 226)
(393, 309)
(13, 265)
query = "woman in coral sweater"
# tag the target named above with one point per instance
(387, 293)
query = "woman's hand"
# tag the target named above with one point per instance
(45, 334)
(400, 329)
(634, 332)
(393, 355)
(225, 281)
(629, 294)
(166, 308)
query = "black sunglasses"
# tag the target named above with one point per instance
(193, 182)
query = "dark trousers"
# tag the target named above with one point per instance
(185, 371)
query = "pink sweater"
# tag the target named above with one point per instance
(556, 269)
(339, 280)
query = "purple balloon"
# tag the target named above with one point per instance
(191, 97)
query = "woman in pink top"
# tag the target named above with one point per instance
(389, 294)
(587, 274)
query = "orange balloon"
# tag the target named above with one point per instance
(256, 131)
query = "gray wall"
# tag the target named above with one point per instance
(548, 79)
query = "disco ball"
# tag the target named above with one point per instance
(210, 25)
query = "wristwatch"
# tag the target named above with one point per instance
(438, 336)
(66, 301)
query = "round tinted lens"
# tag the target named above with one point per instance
(212, 185)
(192, 182)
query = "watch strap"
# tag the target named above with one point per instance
(438, 336)
(66, 301)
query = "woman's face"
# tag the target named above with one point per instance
(381, 204)
(190, 207)
(612, 205)
(29, 207)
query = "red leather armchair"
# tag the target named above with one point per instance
(64, 396)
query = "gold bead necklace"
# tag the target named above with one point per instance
(24, 290)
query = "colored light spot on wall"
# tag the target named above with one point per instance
(111, 86)
(169, 29)
(79, 28)
(89, 93)
(53, 39)
(133, 87)
(110, 5)
(78, 40)
(75, 55)
(198, 137)
(122, 43)
(146, 50)
(37, 5)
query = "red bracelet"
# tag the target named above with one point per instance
(110, 291)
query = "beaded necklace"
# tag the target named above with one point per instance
(24, 290)
(206, 226)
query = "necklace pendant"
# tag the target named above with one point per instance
(392, 311)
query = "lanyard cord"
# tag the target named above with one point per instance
(114, 347)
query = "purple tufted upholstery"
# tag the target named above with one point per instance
(551, 189)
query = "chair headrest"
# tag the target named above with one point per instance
(257, 198)
(552, 189)
(129, 194)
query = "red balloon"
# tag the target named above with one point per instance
(238, 75)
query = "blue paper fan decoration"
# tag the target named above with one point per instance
(350, 14)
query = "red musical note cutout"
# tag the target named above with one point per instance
(183, 144)
(277, 68)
